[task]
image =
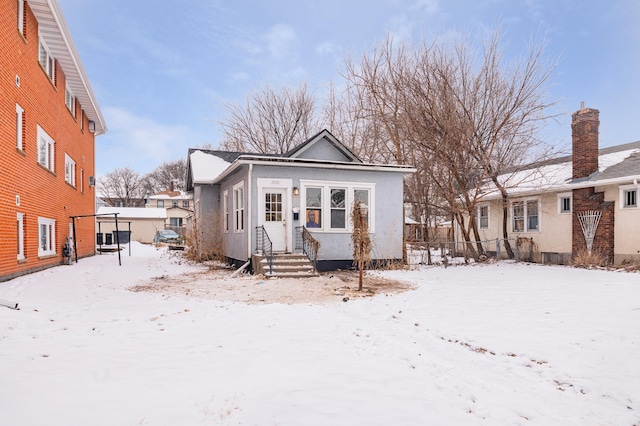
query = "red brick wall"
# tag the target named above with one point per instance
(584, 200)
(42, 193)
(584, 137)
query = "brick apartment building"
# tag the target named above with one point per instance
(50, 118)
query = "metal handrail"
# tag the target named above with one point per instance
(265, 244)
(309, 245)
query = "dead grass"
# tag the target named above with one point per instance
(339, 286)
(584, 259)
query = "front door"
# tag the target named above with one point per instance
(274, 217)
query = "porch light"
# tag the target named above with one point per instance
(296, 191)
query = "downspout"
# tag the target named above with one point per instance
(249, 211)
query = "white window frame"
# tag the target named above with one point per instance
(526, 215)
(479, 216)
(70, 101)
(69, 170)
(225, 210)
(344, 208)
(46, 236)
(185, 204)
(46, 59)
(624, 190)
(19, 127)
(20, 225)
(175, 221)
(561, 197)
(238, 207)
(46, 144)
(160, 204)
(21, 17)
(325, 203)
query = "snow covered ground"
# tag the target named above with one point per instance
(488, 344)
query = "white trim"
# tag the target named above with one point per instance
(69, 170)
(20, 225)
(70, 100)
(326, 186)
(623, 189)
(478, 216)
(19, 126)
(225, 211)
(48, 160)
(46, 241)
(239, 207)
(525, 213)
(46, 59)
(20, 17)
(264, 184)
(562, 195)
(308, 163)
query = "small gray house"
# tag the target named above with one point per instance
(283, 203)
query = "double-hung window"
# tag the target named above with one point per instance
(327, 205)
(238, 207)
(160, 204)
(46, 236)
(70, 101)
(46, 149)
(185, 204)
(482, 216)
(313, 213)
(69, 170)
(525, 216)
(47, 61)
(19, 127)
(629, 196)
(338, 208)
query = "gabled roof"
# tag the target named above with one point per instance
(616, 164)
(53, 28)
(210, 166)
(324, 136)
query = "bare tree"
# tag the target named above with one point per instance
(270, 122)
(168, 176)
(458, 118)
(122, 186)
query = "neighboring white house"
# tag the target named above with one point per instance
(143, 223)
(179, 207)
(551, 202)
(309, 190)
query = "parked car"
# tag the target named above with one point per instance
(166, 236)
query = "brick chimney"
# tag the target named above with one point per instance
(584, 137)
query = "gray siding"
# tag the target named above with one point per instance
(388, 204)
(323, 150)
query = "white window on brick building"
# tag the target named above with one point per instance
(46, 236)
(47, 61)
(69, 170)
(20, 230)
(70, 101)
(46, 149)
(19, 127)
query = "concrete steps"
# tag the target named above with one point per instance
(285, 265)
